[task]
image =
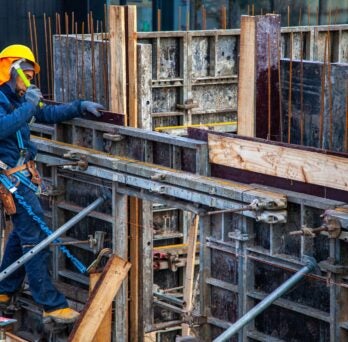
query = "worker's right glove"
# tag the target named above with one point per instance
(91, 107)
(33, 95)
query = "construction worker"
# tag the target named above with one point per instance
(18, 105)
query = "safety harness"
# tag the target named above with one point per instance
(11, 177)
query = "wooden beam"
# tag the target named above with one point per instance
(247, 77)
(190, 272)
(104, 332)
(118, 93)
(132, 80)
(101, 298)
(280, 161)
(134, 203)
(258, 93)
(13, 338)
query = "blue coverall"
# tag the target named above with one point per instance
(15, 113)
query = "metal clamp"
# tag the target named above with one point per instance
(239, 236)
(272, 217)
(329, 265)
(80, 163)
(94, 265)
(330, 225)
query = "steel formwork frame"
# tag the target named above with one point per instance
(253, 247)
(189, 192)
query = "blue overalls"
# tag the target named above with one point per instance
(15, 114)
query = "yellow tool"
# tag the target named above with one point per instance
(17, 66)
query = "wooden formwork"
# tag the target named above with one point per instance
(239, 255)
(190, 77)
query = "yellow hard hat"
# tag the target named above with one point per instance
(20, 51)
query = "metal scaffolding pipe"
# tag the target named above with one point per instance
(65, 227)
(266, 302)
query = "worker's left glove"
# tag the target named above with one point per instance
(91, 107)
(33, 95)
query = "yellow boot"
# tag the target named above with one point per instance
(4, 300)
(63, 316)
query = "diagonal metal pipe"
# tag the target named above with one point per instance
(44, 243)
(266, 302)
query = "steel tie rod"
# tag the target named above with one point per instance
(266, 302)
(35, 250)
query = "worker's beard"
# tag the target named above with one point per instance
(20, 92)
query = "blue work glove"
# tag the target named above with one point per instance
(91, 107)
(33, 95)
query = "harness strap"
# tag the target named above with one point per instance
(15, 169)
(30, 166)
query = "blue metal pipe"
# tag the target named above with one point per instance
(266, 302)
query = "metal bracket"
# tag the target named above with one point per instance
(272, 217)
(173, 260)
(330, 266)
(157, 188)
(113, 137)
(239, 236)
(96, 242)
(189, 104)
(330, 225)
(80, 163)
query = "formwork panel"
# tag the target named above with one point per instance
(317, 105)
(201, 58)
(214, 97)
(224, 304)
(310, 292)
(227, 55)
(262, 236)
(289, 326)
(207, 118)
(169, 53)
(226, 267)
(165, 99)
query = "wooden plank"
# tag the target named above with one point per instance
(190, 272)
(258, 92)
(13, 338)
(247, 77)
(280, 161)
(118, 93)
(104, 332)
(144, 83)
(101, 298)
(134, 203)
(132, 80)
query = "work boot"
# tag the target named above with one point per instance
(4, 301)
(63, 316)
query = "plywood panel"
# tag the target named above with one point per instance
(290, 163)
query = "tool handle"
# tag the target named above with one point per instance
(27, 83)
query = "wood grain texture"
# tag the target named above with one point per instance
(131, 14)
(100, 300)
(190, 272)
(104, 332)
(247, 77)
(134, 203)
(118, 93)
(290, 163)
